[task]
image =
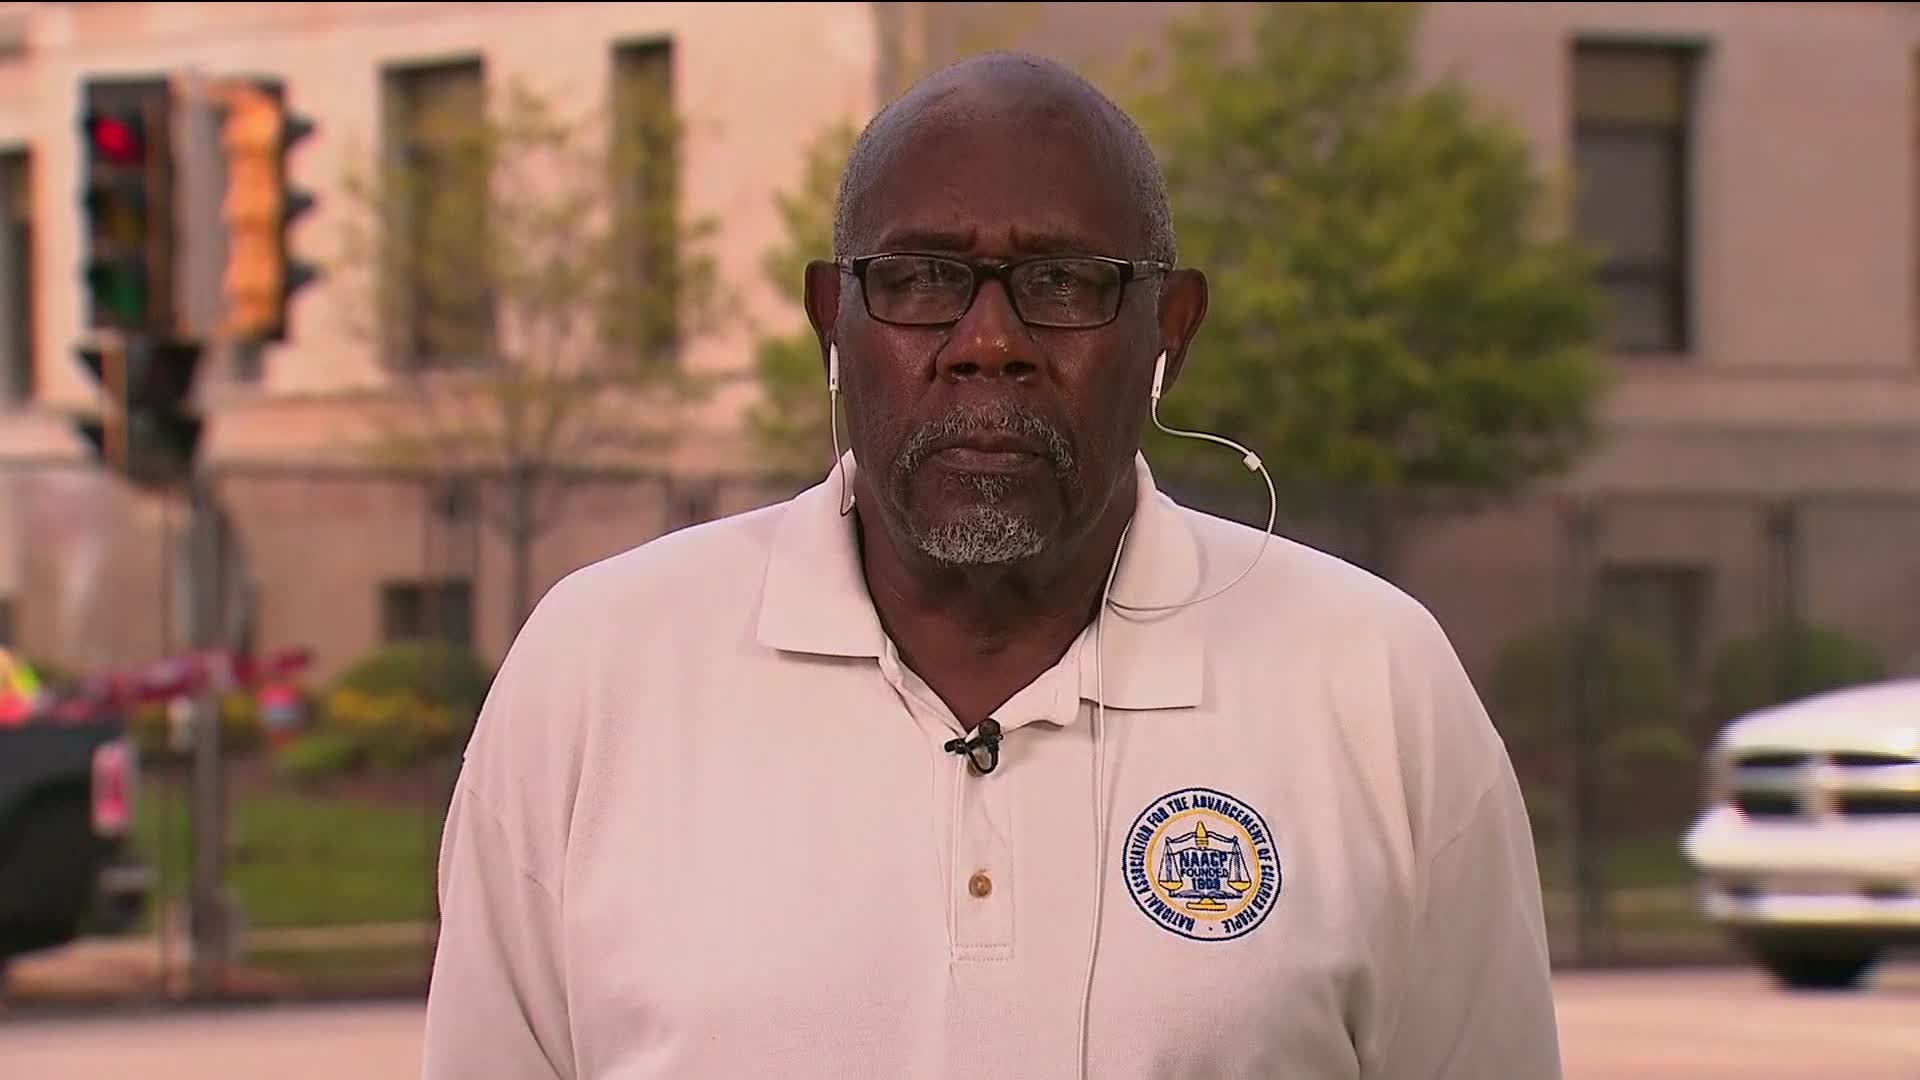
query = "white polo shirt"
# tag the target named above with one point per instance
(706, 828)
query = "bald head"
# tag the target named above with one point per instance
(1020, 96)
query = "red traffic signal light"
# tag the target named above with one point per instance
(117, 140)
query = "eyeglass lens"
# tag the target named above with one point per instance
(927, 290)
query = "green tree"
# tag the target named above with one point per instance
(1396, 309)
(1788, 663)
(789, 422)
(529, 279)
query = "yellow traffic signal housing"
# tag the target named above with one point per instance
(256, 133)
(250, 139)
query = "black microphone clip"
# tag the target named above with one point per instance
(982, 750)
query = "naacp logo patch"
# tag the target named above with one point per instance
(1201, 863)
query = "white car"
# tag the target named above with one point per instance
(1808, 848)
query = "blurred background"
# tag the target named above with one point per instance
(332, 334)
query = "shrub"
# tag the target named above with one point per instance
(150, 728)
(1637, 728)
(1637, 691)
(241, 731)
(51, 675)
(447, 674)
(405, 702)
(1788, 663)
(393, 728)
(317, 755)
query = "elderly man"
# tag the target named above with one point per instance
(983, 758)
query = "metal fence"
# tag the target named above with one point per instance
(1732, 605)
(1611, 635)
(1614, 635)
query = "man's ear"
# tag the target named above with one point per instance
(823, 302)
(1183, 306)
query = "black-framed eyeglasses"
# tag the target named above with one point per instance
(1066, 292)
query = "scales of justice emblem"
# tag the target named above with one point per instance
(1202, 864)
(1204, 870)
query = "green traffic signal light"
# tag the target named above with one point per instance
(120, 290)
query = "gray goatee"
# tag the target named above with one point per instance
(983, 533)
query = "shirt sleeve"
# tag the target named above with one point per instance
(1476, 991)
(496, 1006)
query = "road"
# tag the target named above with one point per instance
(1696, 1025)
(1733, 1025)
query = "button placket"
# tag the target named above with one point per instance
(983, 869)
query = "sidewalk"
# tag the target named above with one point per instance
(154, 967)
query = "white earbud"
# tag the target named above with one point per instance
(1247, 457)
(833, 424)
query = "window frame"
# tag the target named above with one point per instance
(1673, 276)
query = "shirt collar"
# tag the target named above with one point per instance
(815, 598)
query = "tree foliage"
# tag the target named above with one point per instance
(528, 278)
(1788, 663)
(1393, 306)
(789, 422)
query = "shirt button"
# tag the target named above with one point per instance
(980, 885)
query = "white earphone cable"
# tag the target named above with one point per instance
(1248, 458)
(1253, 464)
(1099, 794)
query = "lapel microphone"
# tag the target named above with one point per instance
(982, 750)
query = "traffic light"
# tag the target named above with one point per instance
(127, 204)
(147, 430)
(163, 432)
(107, 434)
(257, 134)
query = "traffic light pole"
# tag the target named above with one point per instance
(113, 422)
(196, 168)
(210, 914)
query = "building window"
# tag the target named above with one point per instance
(427, 611)
(646, 182)
(16, 278)
(6, 623)
(436, 215)
(1668, 603)
(1631, 140)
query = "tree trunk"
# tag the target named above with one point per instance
(522, 531)
(1372, 538)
